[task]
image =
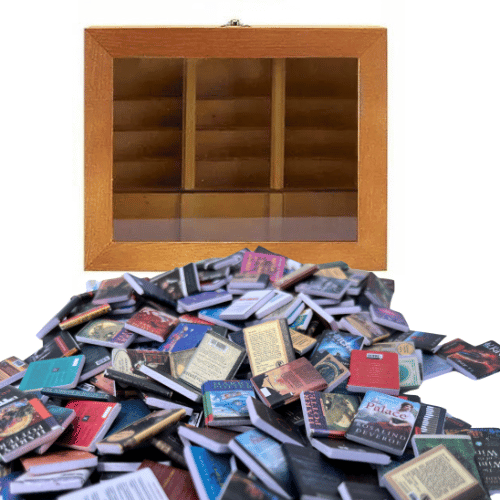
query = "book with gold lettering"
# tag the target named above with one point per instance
(268, 345)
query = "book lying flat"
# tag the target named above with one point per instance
(107, 333)
(56, 481)
(477, 362)
(11, 370)
(240, 486)
(351, 490)
(59, 461)
(153, 324)
(212, 439)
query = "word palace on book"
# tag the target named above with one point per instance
(221, 381)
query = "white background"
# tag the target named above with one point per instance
(443, 170)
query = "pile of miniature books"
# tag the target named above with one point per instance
(241, 377)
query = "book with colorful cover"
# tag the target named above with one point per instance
(260, 263)
(362, 324)
(85, 313)
(208, 470)
(477, 362)
(377, 292)
(284, 384)
(130, 360)
(107, 333)
(153, 324)
(185, 336)
(25, 423)
(332, 370)
(212, 315)
(131, 411)
(428, 342)
(59, 461)
(321, 286)
(326, 414)
(430, 420)
(11, 370)
(203, 300)
(239, 486)
(112, 290)
(338, 344)
(264, 456)
(388, 318)
(384, 422)
(451, 347)
(64, 417)
(172, 283)
(57, 372)
(224, 402)
(92, 422)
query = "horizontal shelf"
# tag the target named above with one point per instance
(132, 145)
(228, 190)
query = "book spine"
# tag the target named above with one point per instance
(207, 408)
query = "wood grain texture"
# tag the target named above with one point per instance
(278, 124)
(102, 45)
(189, 129)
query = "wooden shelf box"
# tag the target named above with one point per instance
(200, 141)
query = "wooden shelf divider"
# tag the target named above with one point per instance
(278, 124)
(189, 126)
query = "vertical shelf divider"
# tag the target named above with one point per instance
(277, 174)
(189, 126)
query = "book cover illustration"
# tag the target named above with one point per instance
(11, 370)
(430, 420)
(332, 370)
(384, 422)
(328, 415)
(454, 425)
(409, 373)
(452, 347)
(129, 361)
(434, 366)
(377, 292)
(321, 286)
(424, 340)
(389, 318)
(61, 345)
(239, 486)
(184, 336)
(112, 290)
(84, 314)
(179, 360)
(131, 411)
(225, 400)
(477, 362)
(338, 344)
(284, 384)
(107, 333)
(152, 323)
(260, 263)
(204, 299)
(172, 283)
(362, 324)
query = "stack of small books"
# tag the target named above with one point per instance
(247, 376)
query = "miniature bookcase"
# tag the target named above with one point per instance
(251, 142)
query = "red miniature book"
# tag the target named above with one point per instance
(374, 370)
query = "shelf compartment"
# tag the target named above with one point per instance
(164, 173)
(327, 112)
(138, 114)
(133, 145)
(318, 142)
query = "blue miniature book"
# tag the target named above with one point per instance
(185, 336)
(338, 344)
(131, 411)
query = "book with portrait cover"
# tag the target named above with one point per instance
(107, 333)
(11, 370)
(268, 345)
(338, 344)
(224, 402)
(25, 423)
(260, 263)
(153, 324)
(477, 362)
(137, 432)
(414, 479)
(284, 384)
(384, 422)
(326, 414)
(92, 422)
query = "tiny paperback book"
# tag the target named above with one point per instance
(337, 343)
(153, 324)
(268, 346)
(107, 333)
(295, 276)
(428, 342)
(302, 343)
(57, 481)
(172, 283)
(58, 372)
(246, 305)
(249, 281)
(148, 290)
(284, 384)
(210, 438)
(259, 263)
(86, 313)
(451, 347)
(212, 315)
(111, 291)
(11, 370)
(239, 486)
(204, 299)
(388, 318)
(130, 360)
(59, 461)
(224, 402)
(280, 299)
(64, 417)
(332, 370)
(185, 336)
(377, 292)
(351, 490)
(362, 324)
(61, 346)
(328, 415)
(384, 422)
(135, 433)
(332, 288)
(477, 362)
(430, 420)
(97, 359)
(131, 411)
(414, 479)
(434, 366)
(320, 311)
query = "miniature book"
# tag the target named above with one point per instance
(151, 323)
(332, 288)
(61, 346)
(332, 370)
(203, 300)
(185, 336)
(293, 277)
(362, 324)
(210, 438)
(107, 333)
(351, 490)
(56, 481)
(111, 291)
(477, 362)
(239, 486)
(97, 359)
(249, 281)
(59, 461)
(338, 344)
(259, 263)
(388, 318)
(246, 305)
(11, 370)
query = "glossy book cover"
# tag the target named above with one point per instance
(338, 344)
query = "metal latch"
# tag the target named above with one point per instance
(235, 22)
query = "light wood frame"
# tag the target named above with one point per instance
(102, 45)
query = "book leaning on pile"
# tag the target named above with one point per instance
(246, 376)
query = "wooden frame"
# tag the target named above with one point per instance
(103, 45)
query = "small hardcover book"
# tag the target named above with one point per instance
(384, 422)
(11, 370)
(328, 415)
(61, 346)
(59, 461)
(249, 281)
(210, 438)
(272, 423)
(112, 290)
(212, 315)
(185, 336)
(371, 370)
(477, 362)
(260, 263)
(25, 423)
(338, 344)
(58, 372)
(312, 475)
(268, 345)
(97, 359)
(351, 490)
(362, 324)
(92, 422)
(430, 420)
(341, 449)
(415, 479)
(208, 470)
(264, 456)
(203, 300)
(280, 299)
(176, 483)
(428, 342)
(153, 324)
(320, 286)
(284, 384)
(240, 486)
(459, 446)
(224, 402)
(332, 370)
(137, 432)
(57, 481)
(293, 277)
(434, 366)
(246, 305)
(107, 333)
(389, 318)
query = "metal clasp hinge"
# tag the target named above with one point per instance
(235, 22)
